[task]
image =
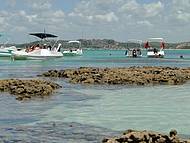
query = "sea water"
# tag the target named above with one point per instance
(115, 108)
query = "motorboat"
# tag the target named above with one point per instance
(152, 51)
(6, 51)
(134, 48)
(41, 50)
(74, 49)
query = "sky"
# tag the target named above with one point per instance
(96, 19)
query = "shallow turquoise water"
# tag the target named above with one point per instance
(157, 108)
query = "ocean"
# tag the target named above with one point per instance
(93, 111)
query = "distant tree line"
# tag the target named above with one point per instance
(107, 44)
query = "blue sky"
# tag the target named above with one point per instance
(67, 5)
(115, 19)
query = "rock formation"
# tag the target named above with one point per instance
(132, 136)
(27, 89)
(132, 75)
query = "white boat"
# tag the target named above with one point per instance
(39, 51)
(135, 51)
(6, 51)
(154, 52)
(74, 49)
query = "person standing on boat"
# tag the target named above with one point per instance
(162, 45)
(146, 45)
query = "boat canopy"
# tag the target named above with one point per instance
(74, 42)
(135, 41)
(43, 35)
(155, 39)
(161, 40)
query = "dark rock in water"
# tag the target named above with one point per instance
(173, 133)
(133, 75)
(132, 136)
(27, 89)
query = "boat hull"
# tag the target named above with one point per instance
(131, 56)
(40, 54)
(7, 51)
(5, 54)
(77, 52)
(159, 54)
(133, 53)
(22, 57)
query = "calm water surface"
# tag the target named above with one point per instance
(159, 108)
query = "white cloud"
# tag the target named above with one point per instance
(59, 14)
(153, 9)
(130, 6)
(109, 17)
(158, 18)
(117, 19)
(184, 16)
(181, 11)
(41, 6)
(4, 20)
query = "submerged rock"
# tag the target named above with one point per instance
(54, 132)
(27, 89)
(132, 136)
(132, 75)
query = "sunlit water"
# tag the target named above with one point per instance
(159, 108)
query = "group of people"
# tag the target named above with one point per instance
(134, 52)
(147, 45)
(37, 47)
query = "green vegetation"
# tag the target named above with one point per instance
(108, 44)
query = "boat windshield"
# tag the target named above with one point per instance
(74, 44)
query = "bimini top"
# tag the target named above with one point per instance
(135, 41)
(74, 42)
(155, 39)
(43, 35)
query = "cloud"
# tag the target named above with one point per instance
(39, 6)
(130, 6)
(4, 20)
(32, 16)
(153, 9)
(117, 19)
(130, 18)
(181, 11)
(141, 10)
(109, 17)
